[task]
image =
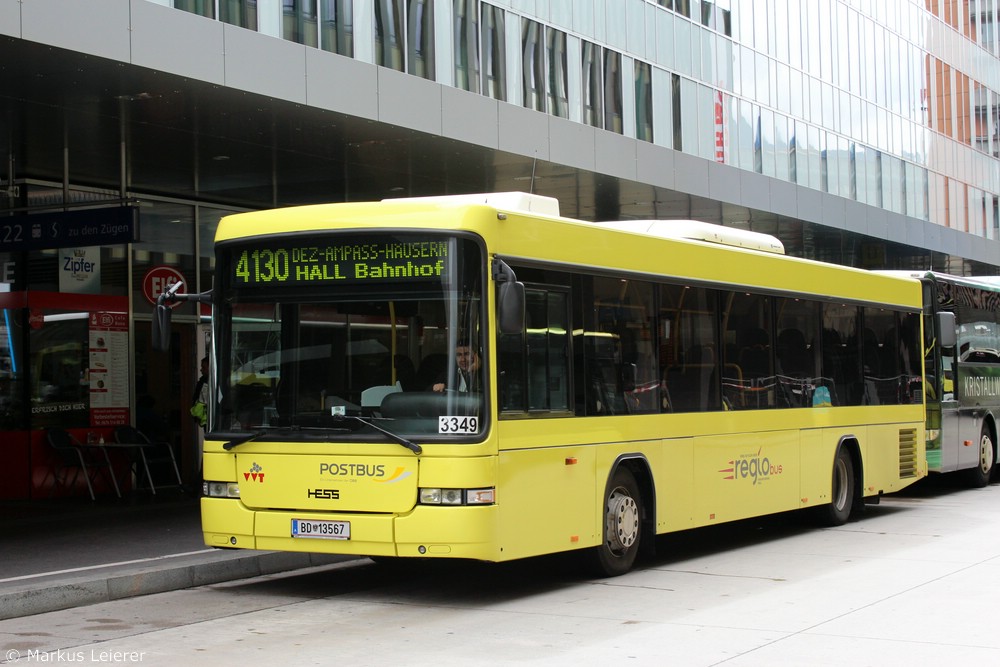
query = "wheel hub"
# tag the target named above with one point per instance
(986, 453)
(623, 521)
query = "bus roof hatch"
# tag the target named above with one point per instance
(520, 202)
(700, 231)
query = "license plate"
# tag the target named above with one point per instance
(324, 530)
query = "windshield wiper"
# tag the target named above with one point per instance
(270, 430)
(409, 444)
(236, 442)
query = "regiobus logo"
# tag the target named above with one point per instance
(751, 466)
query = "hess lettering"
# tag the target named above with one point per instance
(323, 494)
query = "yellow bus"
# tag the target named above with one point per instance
(477, 377)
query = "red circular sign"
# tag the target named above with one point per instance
(159, 279)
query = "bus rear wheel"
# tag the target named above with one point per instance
(842, 491)
(981, 474)
(622, 526)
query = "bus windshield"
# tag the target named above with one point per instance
(350, 336)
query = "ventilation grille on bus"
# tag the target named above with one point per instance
(907, 453)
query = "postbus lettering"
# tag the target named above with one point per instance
(352, 469)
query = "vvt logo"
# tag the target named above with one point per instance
(256, 473)
(751, 466)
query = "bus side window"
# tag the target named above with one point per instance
(841, 354)
(748, 367)
(534, 366)
(688, 349)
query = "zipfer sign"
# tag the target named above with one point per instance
(284, 262)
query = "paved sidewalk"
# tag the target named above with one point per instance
(68, 553)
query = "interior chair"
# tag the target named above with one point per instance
(70, 455)
(144, 453)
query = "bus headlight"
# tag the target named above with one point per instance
(430, 496)
(220, 489)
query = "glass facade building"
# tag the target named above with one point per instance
(860, 132)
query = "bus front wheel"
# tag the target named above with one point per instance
(622, 523)
(980, 475)
(842, 491)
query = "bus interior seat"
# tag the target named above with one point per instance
(871, 354)
(406, 373)
(793, 354)
(755, 354)
(604, 396)
(689, 382)
(432, 367)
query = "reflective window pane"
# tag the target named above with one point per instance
(420, 38)
(643, 101)
(466, 40)
(337, 26)
(593, 85)
(557, 88)
(532, 65)
(299, 22)
(389, 34)
(612, 91)
(494, 56)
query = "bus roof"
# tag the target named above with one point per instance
(527, 227)
(991, 283)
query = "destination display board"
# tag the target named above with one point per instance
(376, 258)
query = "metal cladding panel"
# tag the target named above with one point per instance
(273, 67)
(96, 27)
(156, 32)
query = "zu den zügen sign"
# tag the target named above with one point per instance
(69, 229)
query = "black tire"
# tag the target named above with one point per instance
(980, 475)
(841, 491)
(622, 526)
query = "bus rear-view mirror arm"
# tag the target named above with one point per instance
(162, 310)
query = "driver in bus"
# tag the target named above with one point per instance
(467, 370)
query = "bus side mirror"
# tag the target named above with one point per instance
(510, 307)
(161, 318)
(161, 328)
(947, 336)
(510, 299)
